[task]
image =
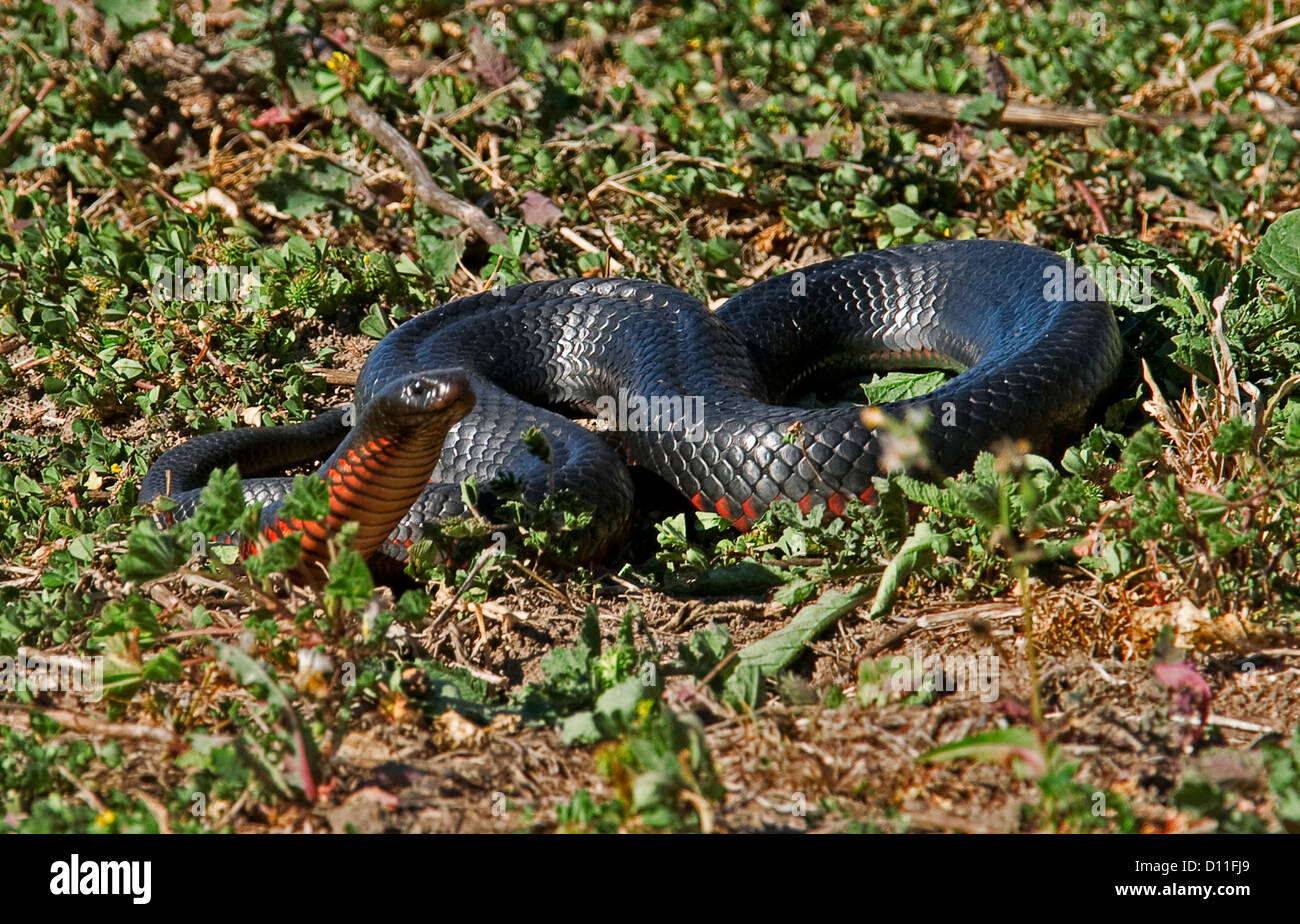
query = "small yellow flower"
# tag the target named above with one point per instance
(337, 60)
(115, 468)
(105, 818)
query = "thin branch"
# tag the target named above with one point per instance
(22, 112)
(19, 715)
(943, 107)
(428, 191)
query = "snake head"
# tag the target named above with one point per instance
(436, 399)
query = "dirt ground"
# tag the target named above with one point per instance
(795, 768)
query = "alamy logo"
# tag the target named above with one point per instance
(191, 282)
(1071, 282)
(654, 413)
(975, 673)
(104, 877)
(41, 674)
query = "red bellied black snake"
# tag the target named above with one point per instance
(695, 396)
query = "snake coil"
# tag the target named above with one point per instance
(695, 396)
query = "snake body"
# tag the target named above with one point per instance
(698, 395)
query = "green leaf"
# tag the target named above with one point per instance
(900, 568)
(795, 593)
(1293, 427)
(776, 651)
(617, 707)
(82, 548)
(121, 667)
(580, 728)
(980, 108)
(744, 686)
(371, 61)
(308, 501)
(1017, 747)
(1278, 253)
(903, 217)
(300, 192)
(373, 325)
(130, 16)
(221, 502)
(149, 554)
(1143, 447)
(164, 668)
(278, 556)
(742, 578)
(350, 584)
(1233, 437)
(898, 386)
(537, 444)
(438, 256)
(704, 650)
(298, 739)
(615, 713)
(455, 681)
(931, 495)
(405, 266)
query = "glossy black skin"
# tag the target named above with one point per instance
(531, 354)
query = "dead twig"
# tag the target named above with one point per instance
(19, 715)
(1093, 205)
(22, 112)
(1224, 721)
(981, 612)
(892, 639)
(944, 107)
(428, 191)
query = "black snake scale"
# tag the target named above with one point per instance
(529, 354)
